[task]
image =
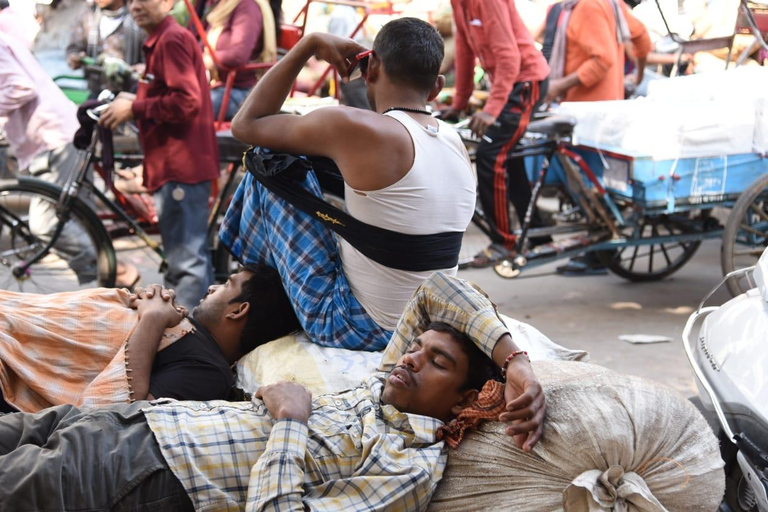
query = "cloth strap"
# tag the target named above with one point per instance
(489, 404)
(416, 253)
(557, 61)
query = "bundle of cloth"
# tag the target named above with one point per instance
(36, 331)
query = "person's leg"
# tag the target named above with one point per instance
(491, 163)
(183, 219)
(260, 227)
(236, 98)
(517, 177)
(64, 459)
(61, 164)
(217, 96)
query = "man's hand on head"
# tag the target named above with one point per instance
(480, 122)
(117, 113)
(526, 404)
(159, 303)
(336, 51)
(286, 400)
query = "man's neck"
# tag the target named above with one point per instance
(399, 98)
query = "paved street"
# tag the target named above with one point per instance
(591, 313)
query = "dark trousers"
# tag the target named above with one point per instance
(105, 459)
(499, 178)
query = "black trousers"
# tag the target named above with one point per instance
(499, 178)
(106, 459)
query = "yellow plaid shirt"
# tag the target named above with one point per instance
(355, 453)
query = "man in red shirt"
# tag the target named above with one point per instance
(172, 108)
(493, 31)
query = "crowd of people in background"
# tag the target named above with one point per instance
(533, 55)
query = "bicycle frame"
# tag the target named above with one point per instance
(604, 218)
(71, 190)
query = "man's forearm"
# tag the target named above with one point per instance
(268, 96)
(277, 477)
(456, 302)
(141, 349)
(570, 81)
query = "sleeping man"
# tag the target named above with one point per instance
(378, 447)
(102, 346)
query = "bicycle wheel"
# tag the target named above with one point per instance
(652, 261)
(746, 234)
(81, 257)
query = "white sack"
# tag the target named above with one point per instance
(611, 442)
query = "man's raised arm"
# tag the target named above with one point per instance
(157, 312)
(258, 121)
(465, 307)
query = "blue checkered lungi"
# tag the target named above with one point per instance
(260, 227)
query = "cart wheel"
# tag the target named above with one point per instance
(651, 262)
(746, 233)
(506, 269)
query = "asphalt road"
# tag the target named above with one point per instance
(590, 313)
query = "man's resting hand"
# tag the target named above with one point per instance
(158, 302)
(526, 404)
(286, 400)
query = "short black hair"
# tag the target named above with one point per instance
(411, 51)
(481, 367)
(271, 315)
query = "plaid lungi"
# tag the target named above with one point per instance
(261, 227)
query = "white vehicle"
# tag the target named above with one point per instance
(730, 361)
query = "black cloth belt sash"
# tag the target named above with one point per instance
(278, 172)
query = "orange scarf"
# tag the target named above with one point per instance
(488, 405)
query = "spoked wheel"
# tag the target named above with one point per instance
(82, 256)
(746, 234)
(654, 260)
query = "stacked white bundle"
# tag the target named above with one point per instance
(694, 116)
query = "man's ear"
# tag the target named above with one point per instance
(468, 398)
(374, 67)
(241, 312)
(439, 84)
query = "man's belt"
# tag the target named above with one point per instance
(278, 173)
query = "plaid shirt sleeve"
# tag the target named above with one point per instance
(454, 301)
(276, 481)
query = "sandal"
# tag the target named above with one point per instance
(491, 255)
(127, 276)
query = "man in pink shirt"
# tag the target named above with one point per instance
(493, 31)
(40, 124)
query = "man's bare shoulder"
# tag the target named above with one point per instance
(372, 150)
(357, 122)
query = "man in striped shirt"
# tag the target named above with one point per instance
(374, 447)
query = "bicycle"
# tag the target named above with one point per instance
(592, 216)
(37, 260)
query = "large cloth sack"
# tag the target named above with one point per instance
(611, 442)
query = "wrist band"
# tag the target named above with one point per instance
(509, 358)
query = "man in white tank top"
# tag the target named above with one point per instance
(403, 171)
